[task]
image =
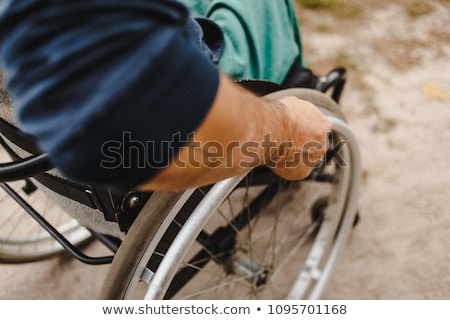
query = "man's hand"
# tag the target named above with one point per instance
(303, 139)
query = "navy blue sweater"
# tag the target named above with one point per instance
(111, 88)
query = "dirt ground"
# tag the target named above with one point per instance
(398, 103)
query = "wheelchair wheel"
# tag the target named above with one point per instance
(249, 237)
(22, 239)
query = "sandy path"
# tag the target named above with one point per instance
(397, 102)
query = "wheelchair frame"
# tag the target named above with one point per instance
(123, 209)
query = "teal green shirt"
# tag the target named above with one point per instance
(262, 37)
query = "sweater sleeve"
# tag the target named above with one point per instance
(111, 89)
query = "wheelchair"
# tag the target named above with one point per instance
(254, 236)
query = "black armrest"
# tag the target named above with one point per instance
(25, 168)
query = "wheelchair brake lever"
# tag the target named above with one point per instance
(335, 79)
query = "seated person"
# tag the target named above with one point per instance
(95, 80)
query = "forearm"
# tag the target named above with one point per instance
(236, 119)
